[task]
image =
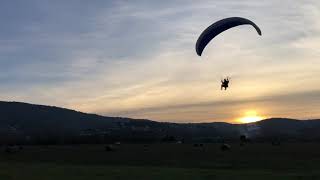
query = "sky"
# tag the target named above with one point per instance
(137, 58)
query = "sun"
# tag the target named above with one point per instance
(250, 117)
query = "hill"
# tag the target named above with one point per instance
(30, 123)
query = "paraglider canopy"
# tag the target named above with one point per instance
(218, 27)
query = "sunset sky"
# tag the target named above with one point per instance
(137, 58)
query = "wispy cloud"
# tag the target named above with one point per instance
(137, 58)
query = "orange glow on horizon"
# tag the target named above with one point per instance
(250, 117)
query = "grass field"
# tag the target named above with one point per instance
(163, 161)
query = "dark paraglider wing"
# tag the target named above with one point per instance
(216, 28)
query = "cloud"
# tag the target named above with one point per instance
(293, 105)
(137, 58)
